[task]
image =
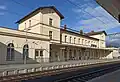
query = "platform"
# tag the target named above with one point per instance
(26, 66)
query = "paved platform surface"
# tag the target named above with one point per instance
(27, 66)
(111, 77)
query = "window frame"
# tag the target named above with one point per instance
(40, 53)
(26, 47)
(85, 42)
(29, 23)
(82, 41)
(60, 37)
(10, 52)
(78, 40)
(51, 35)
(36, 50)
(70, 39)
(74, 40)
(50, 21)
(65, 38)
(88, 42)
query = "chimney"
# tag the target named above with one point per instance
(65, 27)
(81, 32)
(92, 31)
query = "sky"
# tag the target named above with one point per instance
(88, 16)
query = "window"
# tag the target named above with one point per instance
(88, 42)
(85, 42)
(50, 35)
(93, 45)
(91, 41)
(41, 52)
(74, 40)
(50, 21)
(82, 41)
(70, 39)
(25, 51)
(60, 37)
(29, 23)
(25, 26)
(79, 41)
(10, 52)
(65, 38)
(36, 52)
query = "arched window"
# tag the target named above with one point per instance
(25, 51)
(10, 52)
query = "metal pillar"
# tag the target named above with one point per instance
(119, 18)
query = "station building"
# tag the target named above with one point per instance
(40, 38)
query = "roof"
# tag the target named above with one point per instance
(40, 8)
(78, 34)
(111, 6)
(95, 33)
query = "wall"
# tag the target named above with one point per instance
(101, 38)
(40, 23)
(19, 42)
(35, 19)
(84, 43)
(55, 28)
(50, 13)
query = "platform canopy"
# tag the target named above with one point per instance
(111, 6)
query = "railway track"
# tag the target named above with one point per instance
(90, 75)
(71, 74)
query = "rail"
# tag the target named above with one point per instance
(31, 72)
(89, 75)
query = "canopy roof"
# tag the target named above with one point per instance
(111, 6)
